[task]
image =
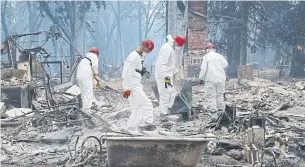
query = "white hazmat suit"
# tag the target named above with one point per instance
(165, 66)
(140, 105)
(85, 81)
(213, 73)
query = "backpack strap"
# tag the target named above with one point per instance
(89, 60)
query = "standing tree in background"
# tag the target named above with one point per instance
(69, 17)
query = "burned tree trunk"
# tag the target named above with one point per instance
(140, 21)
(234, 53)
(3, 20)
(298, 63)
(244, 29)
(233, 42)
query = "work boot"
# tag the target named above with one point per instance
(162, 117)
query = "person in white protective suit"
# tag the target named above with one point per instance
(214, 76)
(87, 72)
(165, 68)
(141, 117)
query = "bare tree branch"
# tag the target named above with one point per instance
(3, 21)
(160, 28)
(55, 20)
(155, 16)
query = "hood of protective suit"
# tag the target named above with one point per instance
(178, 54)
(170, 40)
(165, 64)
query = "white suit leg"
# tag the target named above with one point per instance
(172, 95)
(86, 88)
(164, 97)
(219, 95)
(141, 109)
(210, 96)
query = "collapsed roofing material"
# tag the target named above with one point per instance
(183, 101)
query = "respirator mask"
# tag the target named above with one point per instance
(144, 54)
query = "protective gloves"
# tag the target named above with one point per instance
(126, 94)
(142, 72)
(95, 76)
(98, 85)
(168, 82)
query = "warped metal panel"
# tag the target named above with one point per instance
(183, 101)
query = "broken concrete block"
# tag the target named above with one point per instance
(300, 85)
(74, 90)
(228, 144)
(18, 112)
(292, 147)
(224, 130)
(250, 136)
(174, 118)
(2, 108)
(3, 156)
(258, 135)
(297, 139)
(201, 91)
(245, 72)
(58, 136)
(1, 105)
(236, 154)
(251, 154)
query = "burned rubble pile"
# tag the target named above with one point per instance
(260, 116)
(53, 131)
(267, 116)
(13, 82)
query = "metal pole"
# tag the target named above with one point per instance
(140, 21)
(61, 71)
(166, 30)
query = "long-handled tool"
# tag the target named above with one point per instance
(96, 121)
(102, 90)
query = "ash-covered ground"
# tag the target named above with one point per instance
(58, 136)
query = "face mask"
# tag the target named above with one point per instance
(178, 48)
(144, 54)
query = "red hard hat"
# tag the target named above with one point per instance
(149, 44)
(94, 50)
(180, 40)
(152, 45)
(210, 45)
